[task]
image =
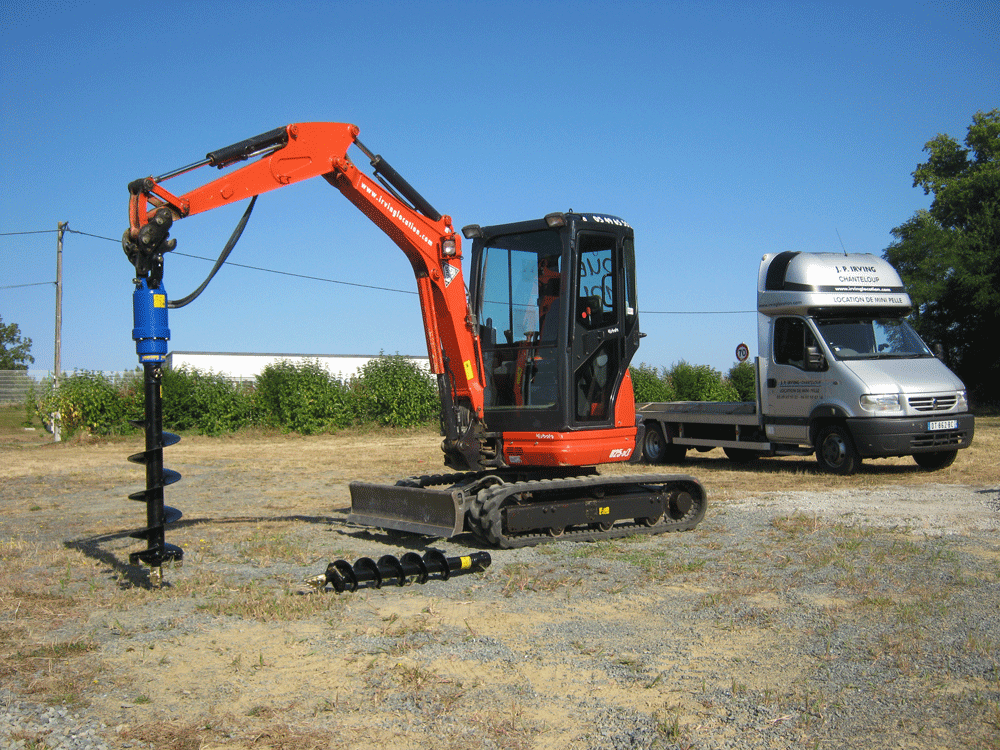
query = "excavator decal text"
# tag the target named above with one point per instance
(395, 213)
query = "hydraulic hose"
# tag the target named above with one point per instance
(233, 239)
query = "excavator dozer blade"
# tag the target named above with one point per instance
(417, 510)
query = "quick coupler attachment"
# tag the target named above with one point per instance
(158, 515)
(366, 573)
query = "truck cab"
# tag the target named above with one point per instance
(840, 373)
(843, 372)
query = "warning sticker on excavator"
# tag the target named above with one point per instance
(469, 375)
(159, 300)
(450, 272)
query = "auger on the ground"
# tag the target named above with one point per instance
(367, 573)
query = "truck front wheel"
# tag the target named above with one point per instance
(936, 460)
(835, 451)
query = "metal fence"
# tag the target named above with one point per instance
(16, 384)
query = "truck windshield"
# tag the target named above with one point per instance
(871, 338)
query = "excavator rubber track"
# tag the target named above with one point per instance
(524, 513)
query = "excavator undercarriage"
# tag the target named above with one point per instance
(513, 510)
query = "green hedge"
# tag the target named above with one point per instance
(743, 377)
(651, 384)
(394, 392)
(206, 402)
(687, 382)
(303, 397)
(90, 401)
(296, 397)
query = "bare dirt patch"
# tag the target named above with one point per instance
(805, 611)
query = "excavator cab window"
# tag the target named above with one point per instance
(520, 312)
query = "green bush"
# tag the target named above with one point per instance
(700, 383)
(90, 401)
(303, 397)
(743, 377)
(207, 402)
(394, 392)
(651, 384)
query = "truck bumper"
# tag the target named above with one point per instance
(904, 436)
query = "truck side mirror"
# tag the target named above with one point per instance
(939, 351)
(815, 361)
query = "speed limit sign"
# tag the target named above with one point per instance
(742, 352)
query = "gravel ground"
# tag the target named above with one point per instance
(858, 617)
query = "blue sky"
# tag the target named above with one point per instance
(720, 131)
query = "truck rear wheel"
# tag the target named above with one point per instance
(654, 445)
(936, 460)
(656, 449)
(835, 451)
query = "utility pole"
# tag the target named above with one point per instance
(57, 366)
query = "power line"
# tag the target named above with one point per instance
(335, 281)
(87, 234)
(302, 276)
(228, 263)
(18, 286)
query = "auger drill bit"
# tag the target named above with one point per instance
(149, 305)
(158, 515)
(366, 573)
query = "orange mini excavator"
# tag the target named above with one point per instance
(531, 360)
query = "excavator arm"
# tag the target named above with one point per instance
(301, 151)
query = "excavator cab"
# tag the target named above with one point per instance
(555, 302)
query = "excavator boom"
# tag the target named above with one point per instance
(302, 151)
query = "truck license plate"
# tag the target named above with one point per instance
(945, 424)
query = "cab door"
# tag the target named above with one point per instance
(792, 385)
(603, 326)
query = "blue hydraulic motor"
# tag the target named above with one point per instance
(149, 314)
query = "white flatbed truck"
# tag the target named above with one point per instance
(840, 373)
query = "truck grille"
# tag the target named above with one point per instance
(933, 403)
(943, 439)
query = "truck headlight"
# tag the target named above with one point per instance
(963, 402)
(880, 402)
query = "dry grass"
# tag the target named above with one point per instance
(75, 627)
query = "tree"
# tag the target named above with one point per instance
(743, 377)
(949, 254)
(15, 351)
